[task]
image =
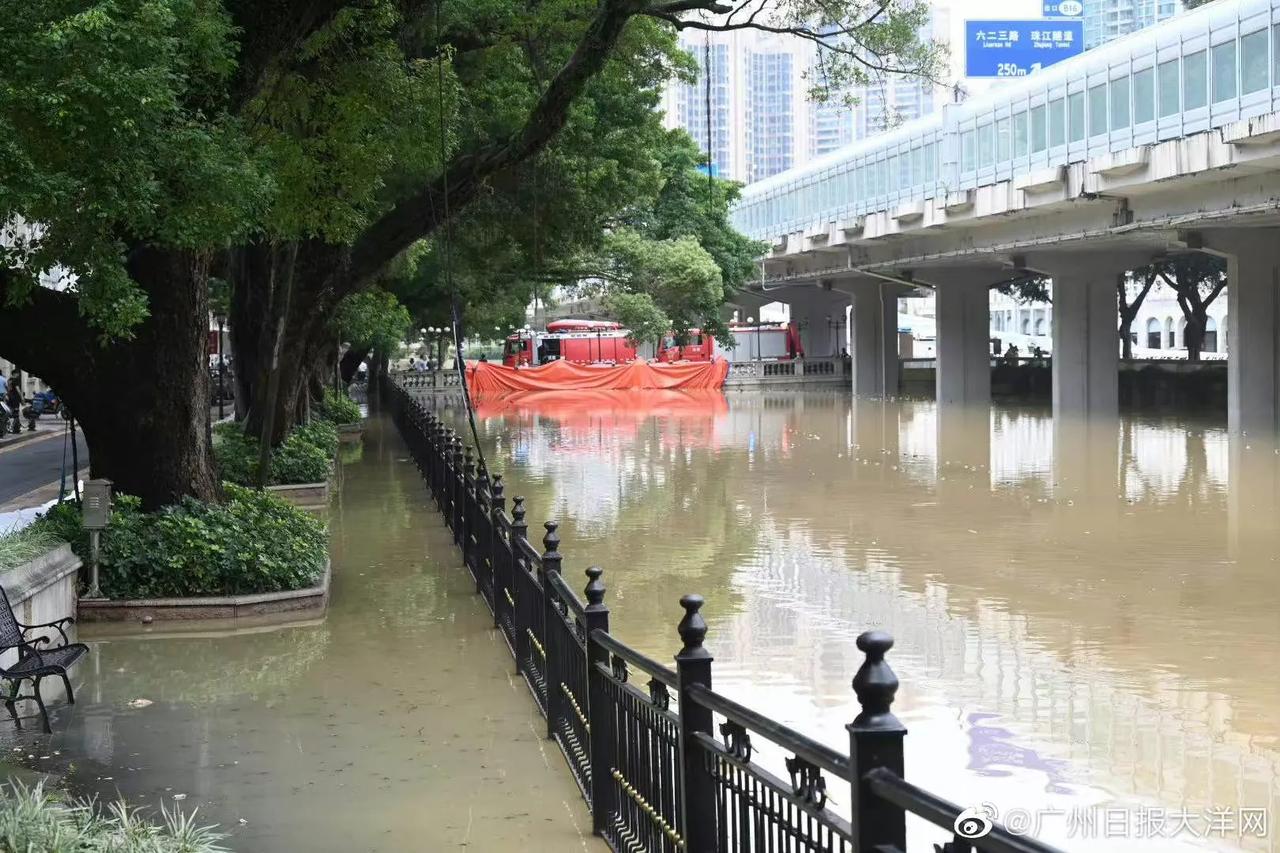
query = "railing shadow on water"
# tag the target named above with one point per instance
(640, 738)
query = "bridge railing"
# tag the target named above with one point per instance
(667, 764)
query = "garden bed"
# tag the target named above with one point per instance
(303, 495)
(249, 545)
(208, 606)
(350, 433)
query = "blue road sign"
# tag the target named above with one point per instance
(1063, 8)
(1019, 48)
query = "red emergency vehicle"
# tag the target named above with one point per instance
(605, 342)
(579, 341)
(752, 342)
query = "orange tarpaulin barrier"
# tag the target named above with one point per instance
(592, 406)
(486, 378)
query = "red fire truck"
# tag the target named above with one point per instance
(605, 342)
(752, 342)
(579, 341)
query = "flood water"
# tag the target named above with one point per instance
(392, 723)
(1087, 616)
(1086, 620)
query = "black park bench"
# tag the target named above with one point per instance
(38, 659)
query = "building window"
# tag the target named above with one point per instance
(1210, 336)
(1075, 116)
(1002, 140)
(1153, 333)
(1037, 129)
(1040, 326)
(1144, 96)
(1057, 122)
(1195, 80)
(1019, 134)
(1120, 103)
(1224, 72)
(1097, 110)
(1168, 85)
(1253, 62)
(986, 145)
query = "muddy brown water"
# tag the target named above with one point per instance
(1087, 616)
(1086, 623)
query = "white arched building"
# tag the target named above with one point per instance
(1158, 329)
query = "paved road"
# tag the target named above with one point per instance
(32, 464)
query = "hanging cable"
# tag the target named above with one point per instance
(454, 310)
(711, 159)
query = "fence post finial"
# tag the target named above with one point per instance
(875, 743)
(600, 704)
(551, 548)
(692, 628)
(595, 588)
(875, 683)
(698, 786)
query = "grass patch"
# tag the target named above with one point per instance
(253, 542)
(23, 546)
(32, 819)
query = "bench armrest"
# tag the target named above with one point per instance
(56, 625)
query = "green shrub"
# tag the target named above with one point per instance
(303, 457)
(339, 408)
(24, 545)
(32, 819)
(254, 542)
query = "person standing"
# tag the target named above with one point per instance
(13, 398)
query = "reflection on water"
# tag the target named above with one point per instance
(1086, 614)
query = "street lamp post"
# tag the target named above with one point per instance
(222, 363)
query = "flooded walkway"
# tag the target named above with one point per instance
(394, 723)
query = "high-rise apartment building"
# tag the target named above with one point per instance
(1105, 20)
(762, 121)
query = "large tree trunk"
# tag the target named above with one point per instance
(306, 333)
(1126, 345)
(1193, 335)
(143, 403)
(349, 365)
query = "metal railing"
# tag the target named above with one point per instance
(809, 368)
(665, 763)
(426, 380)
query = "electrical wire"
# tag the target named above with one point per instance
(455, 313)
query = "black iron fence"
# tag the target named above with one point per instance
(667, 764)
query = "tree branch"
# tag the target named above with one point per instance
(423, 212)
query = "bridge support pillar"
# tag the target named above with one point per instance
(874, 339)
(1253, 327)
(1086, 346)
(964, 349)
(1086, 342)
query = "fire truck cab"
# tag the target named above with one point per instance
(578, 341)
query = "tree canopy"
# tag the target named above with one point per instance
(298, 148)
